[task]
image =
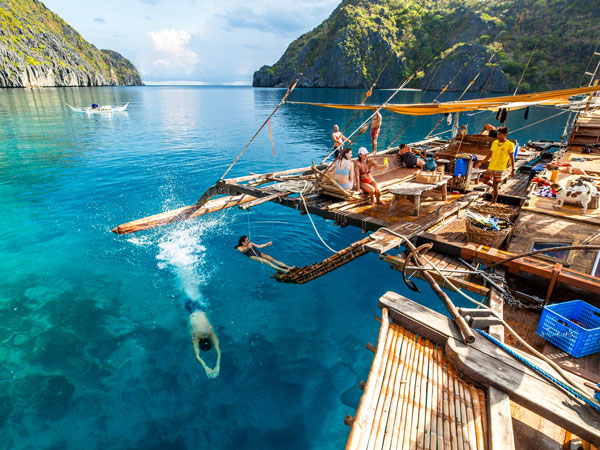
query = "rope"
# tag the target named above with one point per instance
(288, 92)
(508, 328)
(301, 187)
(540, 370)
(540, 121)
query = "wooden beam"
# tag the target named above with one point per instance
(526, 265)
(185, 213)
(259, 201)
(486, 363)
(501, 434)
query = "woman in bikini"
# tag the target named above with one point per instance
(343, 171)
(251, 250)
(362, 170)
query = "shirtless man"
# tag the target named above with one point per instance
(203, 336)
(375, 129)
(338, 140)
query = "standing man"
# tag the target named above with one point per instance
(375, 129)
(501, 151)
(338, 140)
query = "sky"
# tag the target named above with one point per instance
(194, 41)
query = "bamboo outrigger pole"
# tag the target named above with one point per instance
(289, 91)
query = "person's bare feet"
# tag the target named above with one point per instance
(379, 202)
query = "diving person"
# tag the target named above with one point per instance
(203, 336)
(251, 250)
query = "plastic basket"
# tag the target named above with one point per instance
(557, 326)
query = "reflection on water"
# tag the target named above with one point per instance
(94, 337)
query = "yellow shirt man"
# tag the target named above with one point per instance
(501, 153)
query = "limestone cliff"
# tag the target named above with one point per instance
(38, 49)
(444, 42)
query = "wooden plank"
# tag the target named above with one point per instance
(526, 265)
(262, 200)
(501, 435)
(485, 363)
(384, 241)
(419, 319)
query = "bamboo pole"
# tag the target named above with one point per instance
(403, 436)
(361, 420)
(434, 403)
(458, 411)
(484, 418)
(399, 421)
(289, 91)
(381, 413)
(465, 330)
(443, 427)
(262, 200)
(471, 427)
(425, 441)
(398, 383)
(454, 430)
(414, 426)
(478, 420)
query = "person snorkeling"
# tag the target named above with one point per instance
(251, 250)
(203, 336)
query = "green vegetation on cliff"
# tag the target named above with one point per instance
(444, 41)
(38, 48)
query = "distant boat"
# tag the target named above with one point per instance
(95, 108)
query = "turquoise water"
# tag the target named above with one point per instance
(94, 338)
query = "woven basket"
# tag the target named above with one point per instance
(501, 211)
(491, 238)
(429, 177)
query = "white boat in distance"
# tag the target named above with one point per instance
(95, 108)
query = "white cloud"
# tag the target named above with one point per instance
(172, 45)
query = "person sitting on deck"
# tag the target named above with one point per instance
(489, 130)
(338, 140)
(375, 129)
(203, 336)
(252, 251)
(362, 171)
(343, 170)
(411, 159)
(501, 151)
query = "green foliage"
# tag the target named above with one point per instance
(28, 27)
(559, 35)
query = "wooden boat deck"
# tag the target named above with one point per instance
(415, 398)
(509, 377)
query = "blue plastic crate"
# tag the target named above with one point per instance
(557, 326)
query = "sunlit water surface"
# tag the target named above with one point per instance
(94, 338)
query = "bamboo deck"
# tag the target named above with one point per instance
(415, 399)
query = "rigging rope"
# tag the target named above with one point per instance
(301, 187)
(288, 92)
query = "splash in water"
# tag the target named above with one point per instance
(181, 250)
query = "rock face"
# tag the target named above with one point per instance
(439, 43)
(38, 49)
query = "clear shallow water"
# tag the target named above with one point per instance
(94, 337)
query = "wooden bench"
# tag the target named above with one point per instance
(414, 191)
